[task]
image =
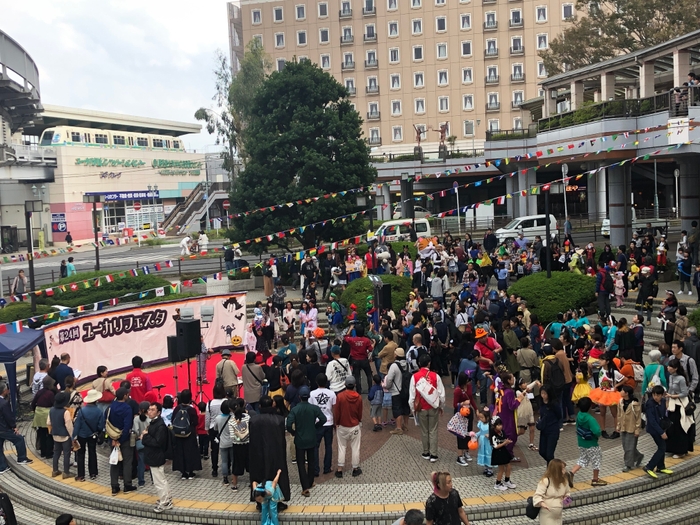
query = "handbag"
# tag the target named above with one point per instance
(107, 395)
(112, 431)
(458, 425)
(665, 423)
(690, 408)
(531, 511)
(584, 433)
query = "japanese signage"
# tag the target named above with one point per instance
(101, 162)
(58, 222)
(111, 175)
(128, 195)
(177, 167)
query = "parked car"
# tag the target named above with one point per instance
(530, 225)
(398, 230)
(420, 213)
(638, 225)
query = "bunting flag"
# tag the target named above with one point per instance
(17, 326)
(109, 278)
(134, 272)
(168, 264)
(113, 302)
(160, 292)
(173, 288)
(158, 267)
(145, 270)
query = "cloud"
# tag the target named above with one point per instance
(152, 59)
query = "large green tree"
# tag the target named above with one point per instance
(303, 140)
(604, 29)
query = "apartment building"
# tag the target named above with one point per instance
(414, 64)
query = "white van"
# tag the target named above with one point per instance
(529, 225)
(399, 231)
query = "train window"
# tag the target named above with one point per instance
(88, 139)
(176, 144)
(118, 140)
(75, 136)
(131, 141)
(46, 138)
(101, 138)
(142, 141)
(167, 143)
(157, 143)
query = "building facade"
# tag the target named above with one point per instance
(414, 65)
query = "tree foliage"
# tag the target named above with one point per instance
(303, 140)
(604, 29)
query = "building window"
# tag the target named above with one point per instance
(395, 81)
(301, 12)
(374, 136)
(371, 58)
(417, 53)
(415, 3)
(517, 72)
(541, 11)
(418, 80)
(516, 18)
(258, 39)
(419, 105)
(348, 60)
(325, 61)
(540, 92)
(280, 64)
(143, 142)
(393, 29)
(373, 109)
(491, 20)
(350, 85)
(441, 24)
(397, 133)
(494, 125)
(517, 123)
(442, 51)
(417, 25)
(518, 98)
(443, 104)
(302, 58)
(468, 128)
(257, 16)
(101, 138)
(542, 42)
(567, 11)
(392, 5)
(465, 21)
(467, 75)
(345, 9)
(279, 39)
(491, 47)
(324, 36)
(468, 102)
(394, 55)
(466, 48)
(347, 34)
(439, 2)
(301, 38)
(396, 107)
(516, 44)
(322, 10)
(492, 73)
(370, 34)
(278, 14)
(118, 140)
(372, 85)
(492, 100)
(442, 77)
(541, 71)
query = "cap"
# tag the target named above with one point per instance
(304, 391)
(480, 332)
(350, 381)
(143, 405)
(225, 351)
(399, 352)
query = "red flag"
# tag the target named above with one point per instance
(157, 266)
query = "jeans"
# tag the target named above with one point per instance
(428, 420)
(658, 459)
(567, 406)
(604, 302)
(641, 314)
(127, 459)
(548, 444)
(324, 434)
(484, 388)
(349, 436)
(361, 365)
(18, 441)
(306, 475)
(64, 447)
(229, 265)
(214, 449)
(91, 445)
(226, 459)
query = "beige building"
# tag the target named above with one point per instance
(406, 63)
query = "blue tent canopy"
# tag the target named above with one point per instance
(12, 347)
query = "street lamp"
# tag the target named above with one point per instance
(94, 199)
(547, 232)
(364, 201)
(155, 206)
(29, 208)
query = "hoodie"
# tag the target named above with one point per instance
(348, 409)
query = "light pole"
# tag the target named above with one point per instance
(656, 193)
(155, 207)
(478, 121)
(677, 173)
(94, 199)
(150, 212)
(29, 208)
(547, 232)
(364, 201)
(564, 173)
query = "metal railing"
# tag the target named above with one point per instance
(347, 65)
(369, 11)
(347, 39)
(493, 79)
(516, 23)
(345, 13)
(371, 64)
(491, 26)
(371, 38)
(374, 115)
(493, 106)
(351, 90)
(372, 90)
(510, 134)
(491, 53)
(517, 50)
(375, 141)
(517, 78)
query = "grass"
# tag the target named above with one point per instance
(22, 310)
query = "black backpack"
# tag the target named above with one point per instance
(405, 383)
(608, 284)
(181, 424)
(556, 375)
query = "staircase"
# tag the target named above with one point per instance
(186, 215)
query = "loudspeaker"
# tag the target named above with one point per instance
(385, 296)
(173, 356)
(188, 338)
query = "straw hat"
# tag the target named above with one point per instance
(93, 396)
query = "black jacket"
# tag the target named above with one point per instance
(8, 423)
(550, 417)
(654, 412)
(155, 443)
(490, 242)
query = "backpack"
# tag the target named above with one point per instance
(239, 430)
(405, 392)
(181, 424)
(556, 375)
(343, 310)
(638, 372)
(608, 284)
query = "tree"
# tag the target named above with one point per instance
(303, 140)
(604, 29)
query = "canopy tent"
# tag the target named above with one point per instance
(12, 347)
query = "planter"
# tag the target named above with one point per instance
(199, 289)
(240, 285)
(258, 281)
(667, 276)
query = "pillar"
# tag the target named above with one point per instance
(550, 104)
(591, 197)
(602, 195)
(576, 95)
(681, 66)
(527, 205)
(620, 214)
(384, 214)
(646, 79)
(511, 203)
(607, 86)
(688, 194)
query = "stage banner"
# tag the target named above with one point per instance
(113, 338)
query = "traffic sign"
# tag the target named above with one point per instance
(137, 206)
(226, 205)
(58, 222)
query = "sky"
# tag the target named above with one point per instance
(151, 58)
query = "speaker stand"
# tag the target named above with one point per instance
(177, 390)
(189, 377)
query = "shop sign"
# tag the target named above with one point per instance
(128, 195)
(101, 162)
(58, 222)
(177, 167)
(110, 175)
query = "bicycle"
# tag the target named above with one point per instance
(8, 248)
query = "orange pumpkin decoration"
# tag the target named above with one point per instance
(236, 340)
(473, 444)
(465, 411)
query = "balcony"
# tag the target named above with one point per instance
(491, 53)
(345, 13)
(347, 65)
(375, 141)
(352, 90)
(485, 2)
(374, 115)
(490, 25)
(515, 23)
(493, 106)
(520, 77)
(371, 38)
(515, 104)
(492, 79)
(510, 134)
(346, 39)
(369, 11)
(517, 51)
(372, 90)
(371, 64)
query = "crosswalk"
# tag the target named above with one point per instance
(86, 260)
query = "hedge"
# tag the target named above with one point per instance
(22, 310)
(357, 291)
(547, 297)
(694, 318)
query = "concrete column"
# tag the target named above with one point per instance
(607, 86)
(576, 95)
(384, 214)
(646, 79)
(681, 67)
(591, 197)
(550, 104)
(688, 193)
(620, 214)
(602, 195)
(510, 203)
(529, 180)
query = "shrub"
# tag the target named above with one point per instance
(358, 290)
(22, 310)
(168, 297)
(547, 297)
(694, 318)
(398, 248)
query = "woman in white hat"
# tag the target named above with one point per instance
(89, 426)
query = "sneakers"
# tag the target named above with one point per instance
(680, 292)
(598, 483)
(225, 480)
(626, 468)
(234, 488)
(666, 471)
(639, 461)
(5, 470)
(191, 475)
(129, 488)
(690, 293)
(396, 432)
(652, 474)
(425, 455)
(509, 484)
(356, 472)
(604, 434)
(214, 473)
(163, 506)
(499, 486)
(462, 462)
(56, 473)
(615, 435)
(377, 428)
(26, 461)
(433, 459)
(488, 472)
(338, 473)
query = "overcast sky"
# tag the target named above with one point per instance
(150, 58)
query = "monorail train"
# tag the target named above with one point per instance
(102, 138)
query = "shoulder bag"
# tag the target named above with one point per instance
(531, 511)
(107, 395)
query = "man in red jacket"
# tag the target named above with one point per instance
(140, 382)
(347, 415)
(361, 347)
